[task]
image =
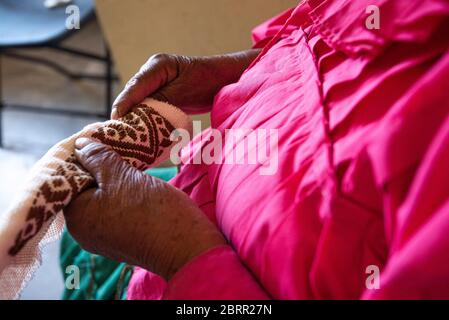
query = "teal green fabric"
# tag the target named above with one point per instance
(163, 173)
(99, 277)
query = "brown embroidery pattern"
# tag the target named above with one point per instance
(140, 138)
(53, 195)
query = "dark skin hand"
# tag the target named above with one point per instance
(189, 83)
(135, 218)
(130, 216)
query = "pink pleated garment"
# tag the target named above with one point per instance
(363, 178)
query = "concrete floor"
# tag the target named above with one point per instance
(27, 136)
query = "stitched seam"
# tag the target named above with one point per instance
(325, 110)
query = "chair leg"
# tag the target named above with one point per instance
(108, 88)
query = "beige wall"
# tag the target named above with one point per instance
(136, 29)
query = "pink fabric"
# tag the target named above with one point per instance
(363, 120)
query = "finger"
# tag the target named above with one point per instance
(160, 96)
(133, 93)
(154, 74)
(103, 163)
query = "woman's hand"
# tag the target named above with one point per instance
(135, 218)
(186, 82)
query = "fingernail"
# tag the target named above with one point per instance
(114, 114)
(82, 142)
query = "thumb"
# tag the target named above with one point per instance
(103, 163)
(159, 70)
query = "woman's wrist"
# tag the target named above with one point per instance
(191, 233)
(212, 73)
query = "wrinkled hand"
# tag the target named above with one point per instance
(135, 218)
(189, 83)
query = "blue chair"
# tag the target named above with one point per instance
(28, 24)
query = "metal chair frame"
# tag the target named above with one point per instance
(56, 44)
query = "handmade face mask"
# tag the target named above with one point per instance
(142, 138)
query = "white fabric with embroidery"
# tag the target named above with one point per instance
(142, 138)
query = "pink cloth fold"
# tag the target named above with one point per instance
(362, 119)
(208, 274)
